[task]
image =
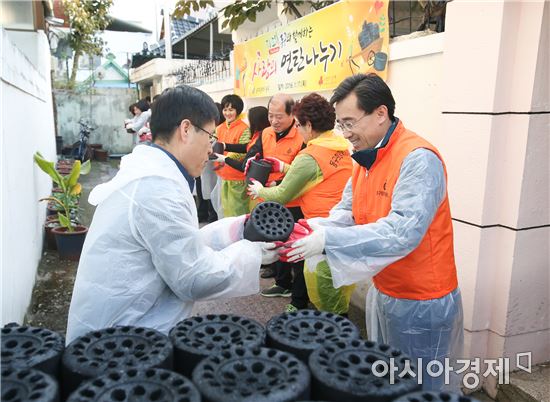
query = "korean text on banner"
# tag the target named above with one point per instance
(316, 52)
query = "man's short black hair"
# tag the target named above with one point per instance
(234, 101)
(371, 92)
(179, 103)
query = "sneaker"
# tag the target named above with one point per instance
(289, 308)
(267, 273)
(276, 291)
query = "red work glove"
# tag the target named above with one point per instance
(277, 165)
(255, 157)
(301, 229)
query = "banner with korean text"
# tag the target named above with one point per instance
(316, 52)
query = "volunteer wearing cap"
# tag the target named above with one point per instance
(393, 225)
(145, 261)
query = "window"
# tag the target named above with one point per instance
(409, 16)
(17, 15)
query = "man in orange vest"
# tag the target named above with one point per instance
(393, 225)
(282, 141)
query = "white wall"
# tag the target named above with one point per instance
(496, 123)
(27, 126)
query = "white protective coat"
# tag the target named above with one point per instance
(145, 261)
(427, 329)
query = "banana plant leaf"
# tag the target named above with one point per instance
(49, 168)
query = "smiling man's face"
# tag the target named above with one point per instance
(366, 129)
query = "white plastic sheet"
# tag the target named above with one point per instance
(145, 261)
(209, 179)
(431, 330)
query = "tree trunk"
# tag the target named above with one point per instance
(72, 80)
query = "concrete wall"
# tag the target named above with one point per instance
(104, 108)
(27, 126)
(496, 122)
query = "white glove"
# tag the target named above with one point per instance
(269, 253)
(254, 189)
(219, 158)
(307, 247)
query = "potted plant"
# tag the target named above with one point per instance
(69, 236)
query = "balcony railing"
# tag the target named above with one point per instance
(200, 72)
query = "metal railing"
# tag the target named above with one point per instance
(200, 72)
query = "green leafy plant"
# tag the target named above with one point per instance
(67, 199)
(239, 11)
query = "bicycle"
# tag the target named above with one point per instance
(81, 151)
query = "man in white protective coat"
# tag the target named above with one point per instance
(145, 261)
(393, 225)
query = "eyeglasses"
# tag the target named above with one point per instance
(212, 136)
(348, 125)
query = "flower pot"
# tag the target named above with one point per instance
(65, 162)
(96, 146)
(101, 155)
(69, 244)
(64, 171)
(258, 170)
(50, 237)
(51, 209)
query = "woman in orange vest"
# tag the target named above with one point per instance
(257, 120)
(315, 180)
(235, 131)
(393, 225)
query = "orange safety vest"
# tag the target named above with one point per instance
(429, 271)
(285, 150)
(336, 167)
(230, 134)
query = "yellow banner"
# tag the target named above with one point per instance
(316, 52)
